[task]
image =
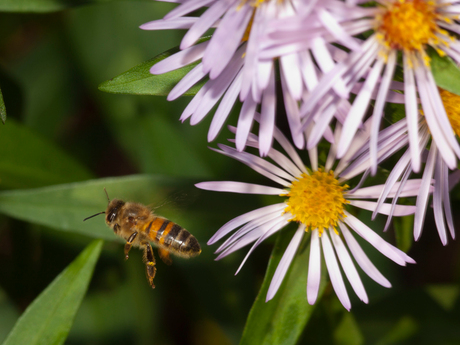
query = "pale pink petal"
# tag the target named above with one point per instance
(423, 194)
(176, 23)
(222, 45)
(263, 222)
(187, 7)
(376, 241)
(290, 150)
(239, 187)
(404, 180)
(446, 201)
(359, 108)
(204, 22)
(258, 164)
(334, 28)
(361, 258)
(400, 210)
(195, 102)
(276, 227)
(242, 219)
(250, 68)
(373, 192)
(180, 59)
(348, 266)
(192, 77)
(216, 88)
(334, 271)
(245, 121)
(326, 64)
(395, 174)
(225, 106)
(441, 112)
(244, 240)
(330, 79)
(267, 117)
(378, 108)
(411, 113)
(314, 268)
(285, 262)
(433, 114)
(308, 70)
(438, 198)
(327, 115)
(264, 72)
(293, 115)
(290, 68)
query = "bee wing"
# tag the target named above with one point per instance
(164, 256)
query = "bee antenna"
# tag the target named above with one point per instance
(94, 215)
(107, 195)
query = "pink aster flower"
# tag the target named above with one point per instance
(320, 202)
(231, 59)
(395, 138)
(405, 28)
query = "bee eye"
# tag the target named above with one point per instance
(112, 216)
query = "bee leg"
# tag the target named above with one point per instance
(164, 255)
(149, 263)
(129, 244)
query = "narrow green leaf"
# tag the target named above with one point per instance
(446, 73)
(139, 81)
(445, 295)
(49, 318)
(64, 207)
(2, 108)
(27, 160)
(348, 332)
(282, 320)
(405, 328)
(404, 229)
(44, 5)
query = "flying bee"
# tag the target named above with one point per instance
(139, 226)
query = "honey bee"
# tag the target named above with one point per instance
(139, 226)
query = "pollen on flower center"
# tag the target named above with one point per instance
(316, 200)
(253, 3)
(409, 25)
(452, 105)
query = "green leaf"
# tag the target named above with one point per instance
(404, 229)
(139, 81)
(2, 108)
(348, 332)
(405, 328)
(282, 320)
(64, 207)
(445, 295)
(446, 73)
(49, 318)
(44, 5)
(394, 113)
(28, 160)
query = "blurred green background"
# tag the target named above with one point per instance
(62, 131)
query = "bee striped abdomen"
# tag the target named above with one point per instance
(173, 237)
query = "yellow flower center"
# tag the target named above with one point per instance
(316, 200)
(409, 25)
(452, 105)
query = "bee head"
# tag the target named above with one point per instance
(113, 210)
(111, 213)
